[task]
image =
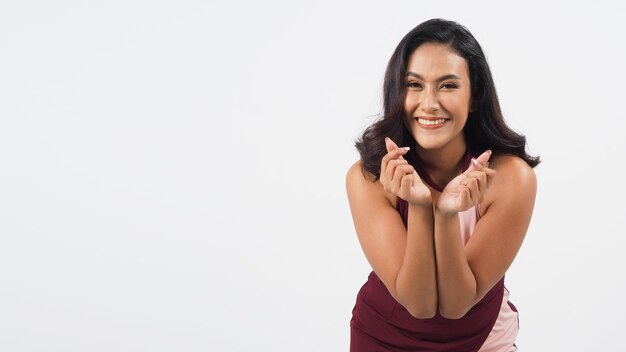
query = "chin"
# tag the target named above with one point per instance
(430, 144)
(435, 142)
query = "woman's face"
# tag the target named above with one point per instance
(438, 96)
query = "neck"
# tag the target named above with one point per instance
(445, 163)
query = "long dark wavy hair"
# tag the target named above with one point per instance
(485, 127)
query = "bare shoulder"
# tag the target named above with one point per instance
(356, 173)
(512, 169)
(514, 179)
(362, 184)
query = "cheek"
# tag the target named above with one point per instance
(459, 104)
(410, 101)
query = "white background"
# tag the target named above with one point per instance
(172, 172)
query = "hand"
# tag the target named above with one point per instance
(467, 189)
(399, 178)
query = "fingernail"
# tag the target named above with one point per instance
(386, 139)
(475, 162)
(489, 151)
(406, 148)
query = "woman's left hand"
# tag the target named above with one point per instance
(467, 189)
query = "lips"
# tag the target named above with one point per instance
(431, 122)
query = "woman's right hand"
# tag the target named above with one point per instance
(399, 178)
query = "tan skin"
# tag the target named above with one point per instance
(425, 266)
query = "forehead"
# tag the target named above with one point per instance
(433, 60)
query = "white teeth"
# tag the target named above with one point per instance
(431, 122)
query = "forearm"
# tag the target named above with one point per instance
(416, 283)
(455, 279)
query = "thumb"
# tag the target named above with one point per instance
(480, 162)
(390, 144)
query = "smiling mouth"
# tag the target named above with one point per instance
(430, 123)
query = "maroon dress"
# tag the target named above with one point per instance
(380, 323)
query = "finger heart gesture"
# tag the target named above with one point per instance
(400, 178)
(467, 189)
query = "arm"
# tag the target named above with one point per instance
(402, 258)
(467, 273)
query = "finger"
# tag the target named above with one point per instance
(482, 182)
(484, 157)
(489, 172)
(408, 179)
(480, 162)
(394, 154)
(405, 186)
(481, 178)
(401, 171)
(416, 177)
(390, 144)
(474, 165)
(468, 181)
(396, 162)
(475, 194)
(464, 197)
(395, 182)
(392, 165)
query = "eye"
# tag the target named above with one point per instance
(414, 84)
(449, 86)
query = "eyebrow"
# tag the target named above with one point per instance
(442, 78)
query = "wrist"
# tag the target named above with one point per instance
(426, 203)
(445, 213)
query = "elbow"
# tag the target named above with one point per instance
(422, 313)
(420, 304)
(420, 309)
(454, 313)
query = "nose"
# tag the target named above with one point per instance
(430, 101)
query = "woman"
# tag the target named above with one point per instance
(441, 218)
